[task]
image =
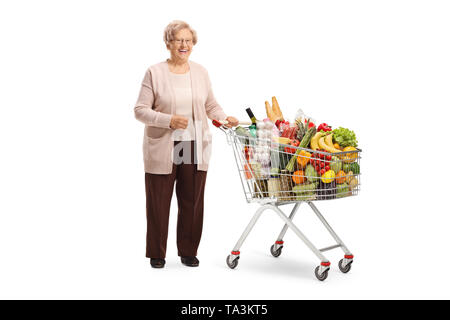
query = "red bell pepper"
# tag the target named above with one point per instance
(325, 127)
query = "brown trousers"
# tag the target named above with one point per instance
(190, 186)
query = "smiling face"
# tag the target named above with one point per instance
(181, 46)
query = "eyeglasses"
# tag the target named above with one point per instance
(180, 41)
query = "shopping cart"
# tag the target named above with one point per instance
(261, 162)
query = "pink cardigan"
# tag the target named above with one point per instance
(155, 106)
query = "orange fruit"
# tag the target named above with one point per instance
(303, 158)
(298, 177)
(340, 177)
(349, 157)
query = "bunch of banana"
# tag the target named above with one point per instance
(323, 141)
(315, 140)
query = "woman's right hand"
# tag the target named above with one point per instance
(178, 122)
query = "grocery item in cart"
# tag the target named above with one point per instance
(276, 109)
(244, 136)
(303, 144)
(264, 134)
(345, 137)
(274, 112)
(273, 186)
(260, 189)
(326, 191)
(304, 192)
(252, 127)
(286, 186)
(255, 167)
(342, 190)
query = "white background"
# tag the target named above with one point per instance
(72, 204)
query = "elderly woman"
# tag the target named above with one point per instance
(174, 103)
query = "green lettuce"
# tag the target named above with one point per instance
(345, 137)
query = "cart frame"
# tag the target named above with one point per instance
(321, 270)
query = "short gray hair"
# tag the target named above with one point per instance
(174, 27)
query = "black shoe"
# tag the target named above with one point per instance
(157, 263)
(190, 261)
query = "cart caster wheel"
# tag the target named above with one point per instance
(346, 268)
(275, 252)
(232, 263)
(322, 276)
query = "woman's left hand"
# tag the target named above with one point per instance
(232, 122)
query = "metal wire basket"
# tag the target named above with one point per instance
(312, 175)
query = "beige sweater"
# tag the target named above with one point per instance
(155, 106)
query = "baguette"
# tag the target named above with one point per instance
(276, 109)
(270, 114)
